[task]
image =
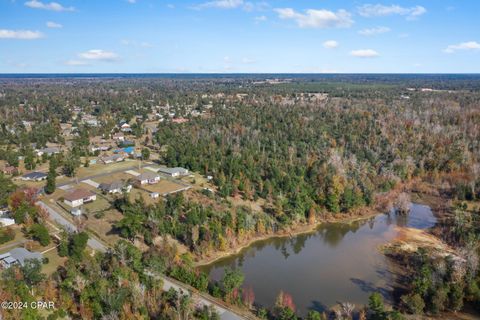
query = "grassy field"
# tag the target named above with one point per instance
(28, 184)
(54, 260)
(138, 193)
(103, 227)
(197, 181)
(97, 169)
(114, 177)
(164, 186)
(19, 237)
(98, 205)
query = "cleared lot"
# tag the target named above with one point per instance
(164, 187)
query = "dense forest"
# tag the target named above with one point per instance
(278, 156)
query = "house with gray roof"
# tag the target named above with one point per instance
(112, 159)
(48, 151)
(34, 176)
(18, 256)
(114, 187)
(173, 172)
(147, 178)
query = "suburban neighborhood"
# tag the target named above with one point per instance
(117, 166)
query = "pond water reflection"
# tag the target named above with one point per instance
(337, 263)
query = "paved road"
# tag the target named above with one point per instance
(201, 300)
(13, 244)
(70, 227)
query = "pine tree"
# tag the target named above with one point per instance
(52, 174)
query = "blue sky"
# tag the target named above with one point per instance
(403, 36)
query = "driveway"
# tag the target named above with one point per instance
(91, 183)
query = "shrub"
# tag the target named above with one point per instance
(6, 234)
(439, 300)
(99, 214)
(456, 296)
(40, 233)
(413, 303)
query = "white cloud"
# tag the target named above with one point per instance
(248, 61)
(464, 46)
(100, 55)
(330, 44)
(20, 34)
(233, 4)
(54, 25)
(256, 6)
(222, 4)
(380, 10)
(76, 63)
(373, 31)
(53, 6)
(260, 19)
(364, 53)
(313, 18)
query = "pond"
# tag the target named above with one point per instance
(338, 262)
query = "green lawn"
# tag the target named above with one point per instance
(54, 260)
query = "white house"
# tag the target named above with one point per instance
(119, 136)
(147, 178)
(115, 187)
(174, 172)
(5, 222)
(48, 151)
(79, 196)
(125, 128)
(34, 176)
(112, 159)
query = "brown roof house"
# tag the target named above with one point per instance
(79, 196)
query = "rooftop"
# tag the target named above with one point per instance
(111, 186)
(173, 170)
(78, 194)
(34, 175)
(21, 255)
(147, 176)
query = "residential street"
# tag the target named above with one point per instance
(203, 300)
(58, 218)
